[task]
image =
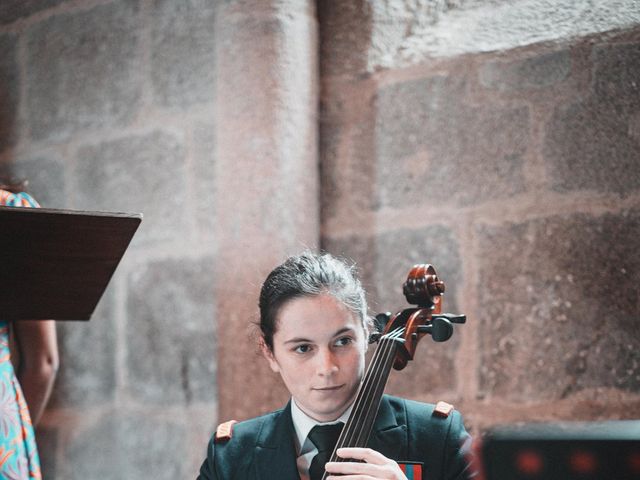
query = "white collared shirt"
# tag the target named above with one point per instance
(305, 449)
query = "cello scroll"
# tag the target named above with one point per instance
(424, 289)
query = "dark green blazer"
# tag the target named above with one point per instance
(406, 431)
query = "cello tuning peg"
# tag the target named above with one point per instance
(380, 321)
(440, 329)
(425, 329)
(452, 317)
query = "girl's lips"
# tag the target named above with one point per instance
(328, 389)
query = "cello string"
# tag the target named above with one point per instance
(355, 430)
(346, 437)
(348, 431)
(354, 424)
(361, 406)
(377, 386)
(383, 355)
(381, 380)
(370, 398)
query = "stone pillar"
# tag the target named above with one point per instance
(266, 177)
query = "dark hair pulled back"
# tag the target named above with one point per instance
(310, 274)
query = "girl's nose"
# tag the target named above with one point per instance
(327, 363)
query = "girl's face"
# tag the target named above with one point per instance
(318, 350)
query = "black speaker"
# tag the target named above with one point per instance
(563, 451)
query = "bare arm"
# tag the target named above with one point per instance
(38, 362)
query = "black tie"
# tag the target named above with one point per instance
(324, 437)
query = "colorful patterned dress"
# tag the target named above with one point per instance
(18, 452)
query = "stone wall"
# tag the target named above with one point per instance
(202, 116)
(510, 163)
(517, 174)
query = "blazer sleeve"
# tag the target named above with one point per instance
(458, 463)
(208, 468)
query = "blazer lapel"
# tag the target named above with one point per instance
(275, 452)
(388, 437)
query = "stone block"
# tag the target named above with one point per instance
(384, 262)
(249, 55)
(170, 307)
(590, 146)
(345, 37)
(137, 174)
(87, 374)
(398, 251)
(267, 7)
(9, 90)
(127, 445)
(616, 70)
(348, 175)
(83, 70)
(183, 52)
(12, 10)
(200, 422)
(415, 32)
(266, 145)
(330, 138)
(45, 177)
(203, 169)
(559, 306)
(360, 250)
(530, 73)
(433, 146)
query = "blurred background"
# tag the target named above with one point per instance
(497, 139)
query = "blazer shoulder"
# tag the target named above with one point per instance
(440, 441)
(248, 431)
(409, 408)
(232, 457)
(426, 419)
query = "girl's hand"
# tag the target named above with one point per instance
(375, 466)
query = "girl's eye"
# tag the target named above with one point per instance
(341, 342)
(304, 348)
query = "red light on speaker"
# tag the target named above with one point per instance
(529, 462)
(583, 462)
(634, 463)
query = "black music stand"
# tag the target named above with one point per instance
(56, 264)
